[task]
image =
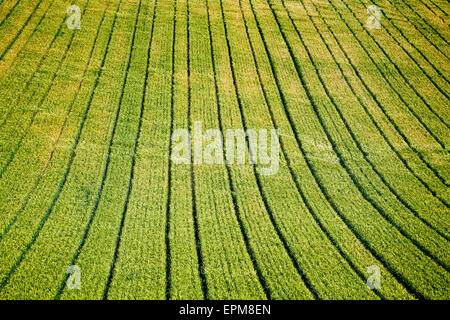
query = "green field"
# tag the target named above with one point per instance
(87, 180)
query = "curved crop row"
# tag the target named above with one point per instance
(64, 164)
(357, 221)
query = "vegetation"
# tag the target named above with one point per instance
(86, 118)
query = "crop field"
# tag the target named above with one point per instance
(120, 119)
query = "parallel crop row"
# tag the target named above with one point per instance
(86, 123)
